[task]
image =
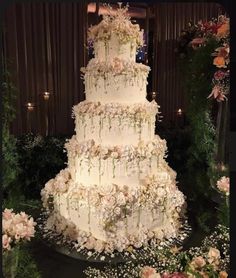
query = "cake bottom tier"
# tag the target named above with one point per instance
(117, 218)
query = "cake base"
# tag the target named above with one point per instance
(61, 245)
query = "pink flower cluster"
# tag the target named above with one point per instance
(223, 185)
(197, 267)
(174, 275)
(117, 22)
(217, 29)
(116, 66)
(150, 272)
(89, 149)
(59, 184)
(135, 111)
(16, 228)
(220, 81)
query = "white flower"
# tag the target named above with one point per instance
(161, 192)
(99, 246)
(117, 210)
(114, 155)
(90, 243)
(198, 262)
(120, 199)
(213, 255)
(108, 201)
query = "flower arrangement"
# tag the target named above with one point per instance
(117, 22)
(210, 259)
(89, 149)
(218, 30)
(137, 111)
(223, 185)
(16, 228)
(117, 66)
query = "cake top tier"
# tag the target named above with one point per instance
(116, 22)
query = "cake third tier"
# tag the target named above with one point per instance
(115, 123)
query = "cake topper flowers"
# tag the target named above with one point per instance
(117, 22)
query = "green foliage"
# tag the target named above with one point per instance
(19, 263)
(27, 266)
(197, 71)
(40, 160)
(10, 167)
(223, 211)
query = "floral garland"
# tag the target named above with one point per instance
(114, 202)
(116, 66)
(16, 228)
(117, 22)
(137, 111)
(143, 150)
(211, 259)
(217, 29)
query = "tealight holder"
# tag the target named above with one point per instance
(153, 94)
(46, 95)
(30, 106)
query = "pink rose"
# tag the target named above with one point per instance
(149, 272)
(174, 275)
(6, 242)
(197, 42)
(198, 262)
(223, 185)
(219, 75)
(108, 201)
(7, 214)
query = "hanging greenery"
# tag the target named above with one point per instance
(205, 77)
(10, 166)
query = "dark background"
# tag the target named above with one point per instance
(44, 48)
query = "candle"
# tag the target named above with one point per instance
(30, 106)
(154, 95)
(46, 95)
(179, 112)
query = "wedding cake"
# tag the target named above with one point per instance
(117, 190)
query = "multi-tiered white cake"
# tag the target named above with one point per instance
(117, 189)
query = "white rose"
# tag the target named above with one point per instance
(161, 192)
(198, 262)
(90, 243)
(120, 199)
(108, 201)
(108, 189)
(114, 155)
(117, 211)
(99, 246)
(213, 255)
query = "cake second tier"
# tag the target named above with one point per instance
(115, 123)
(116, 80)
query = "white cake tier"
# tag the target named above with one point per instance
(117, 81)
(116, 215)
(114, 48)
(118, 33)
(114, 123)
(91, 163)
